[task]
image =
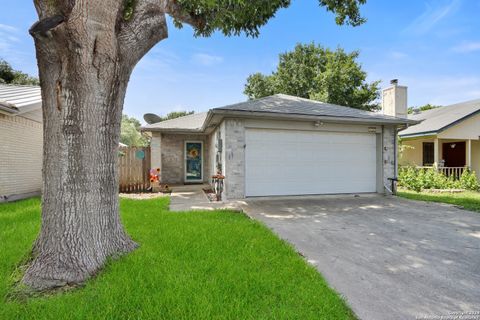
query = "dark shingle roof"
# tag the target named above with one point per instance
(285, 104)
(439, 119)
(277, 105)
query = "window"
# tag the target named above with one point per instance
(428, 153)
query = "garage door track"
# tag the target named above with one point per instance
(390, 258)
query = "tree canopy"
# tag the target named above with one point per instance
(313, 72)
(234, 17)
(176, 114)
(426, 107)
(9, 75)
(130, 132)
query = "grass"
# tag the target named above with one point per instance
(469, 200)
(195, 265)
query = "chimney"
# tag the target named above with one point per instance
(394, 100)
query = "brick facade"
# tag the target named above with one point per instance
(167, 152)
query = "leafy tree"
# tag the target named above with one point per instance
(313, 72)
(130, 132)
(85, 59)
(10, 76)
(176, 114)
(426, 107)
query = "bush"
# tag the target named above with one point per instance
(469, 181)
(418, 179)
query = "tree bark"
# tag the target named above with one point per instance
(86, 51)
(83, 78)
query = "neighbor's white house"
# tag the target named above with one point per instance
(21, 140)
(283, 145)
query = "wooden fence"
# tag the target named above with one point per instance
(134, 167)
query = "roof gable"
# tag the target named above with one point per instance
(437, 120)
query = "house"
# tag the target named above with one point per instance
(21, 140)
(281, 145)
(447, 137)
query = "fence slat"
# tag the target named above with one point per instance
(133, 172)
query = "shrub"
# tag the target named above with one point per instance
(469, 180)
(418, 179)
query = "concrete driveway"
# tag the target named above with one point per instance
(390, 258)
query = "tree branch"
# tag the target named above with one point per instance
(146, 27)
(44, 26)
(173, 9)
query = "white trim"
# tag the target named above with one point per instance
(185, 161)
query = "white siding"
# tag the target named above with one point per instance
(21, 142)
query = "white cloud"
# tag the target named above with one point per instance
(467, 47)
(7, 40)
(397, 55)
(432, 15)
(6, 28)
(205, 59)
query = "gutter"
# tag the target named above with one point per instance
(8, 108)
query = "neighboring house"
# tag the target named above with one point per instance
(21, 141)
(447, 137)
(281, 145)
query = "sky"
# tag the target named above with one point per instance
(431, 46)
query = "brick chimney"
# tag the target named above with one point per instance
(394, 100)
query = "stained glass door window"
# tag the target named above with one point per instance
(193, 161)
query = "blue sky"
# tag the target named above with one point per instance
(432, 46)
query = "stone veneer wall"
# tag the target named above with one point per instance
(389, 163)
(168, 155)
(233, 156)
(234, 147)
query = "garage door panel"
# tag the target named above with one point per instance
(286, 162)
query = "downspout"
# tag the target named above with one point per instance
(395, 153)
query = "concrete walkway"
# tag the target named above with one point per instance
(192, 197)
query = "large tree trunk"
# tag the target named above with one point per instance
(83, 78)
(86, 51)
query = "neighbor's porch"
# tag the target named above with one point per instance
(451, 156)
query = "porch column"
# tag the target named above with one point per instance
(436, 152)
(469, 153)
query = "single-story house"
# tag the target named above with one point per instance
(283, 145)
(447, 137)
(21, 141)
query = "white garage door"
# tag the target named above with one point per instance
(286, 162)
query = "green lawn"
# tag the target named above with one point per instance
(468, 199)
(195, 265)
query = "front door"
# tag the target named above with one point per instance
(454, 154)
(193, 161)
